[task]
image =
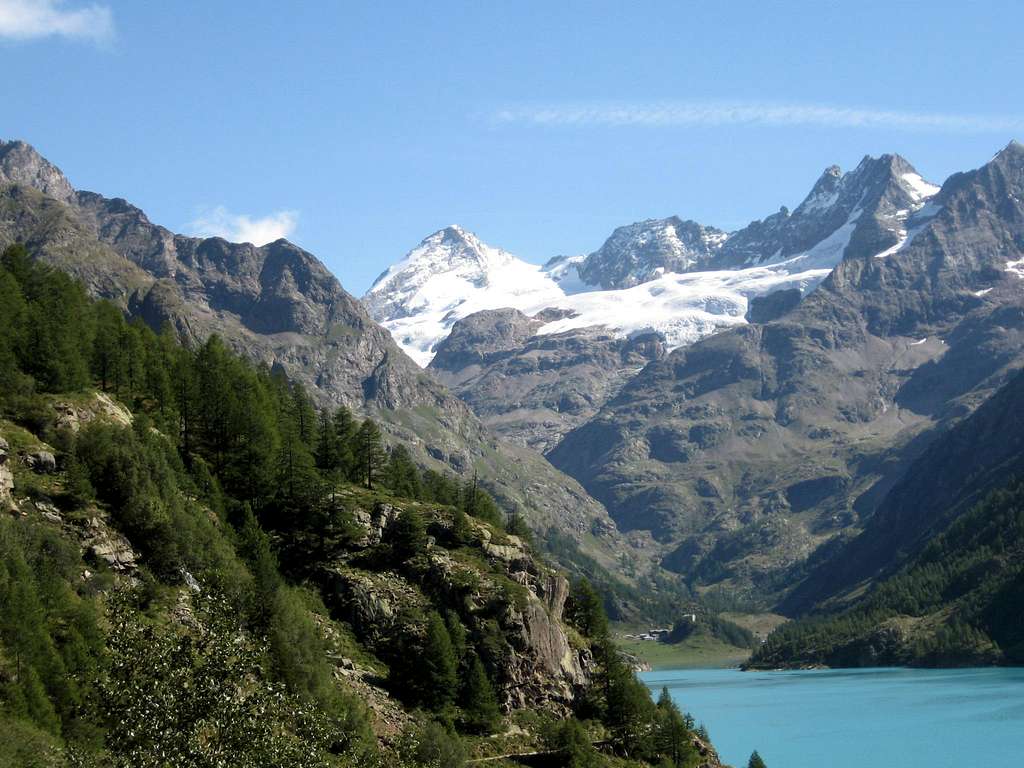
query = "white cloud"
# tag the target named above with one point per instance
(242, 228)
(29, 19)
(693, 113)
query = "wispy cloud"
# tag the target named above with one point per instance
(242, 228)
(695, 113)
(29, 19)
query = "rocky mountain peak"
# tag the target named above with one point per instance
(1014, 148)
(641, 251)
(20, 163)
(861, 212)
(824, 188)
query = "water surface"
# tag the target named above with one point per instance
(889, 718)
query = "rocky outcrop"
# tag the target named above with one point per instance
(640, 252)
(42, 462)
(108, 546)
(100, 406)
(6, 476)
(501, 588)
(21, 164)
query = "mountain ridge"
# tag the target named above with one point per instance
(280, 306)
(752, 448)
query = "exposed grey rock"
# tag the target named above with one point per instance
(375, 523)
(42, 462)
(534, 389)
(764, 309)
(73, 416)
(21, 164)
(6, 479)
(104, 543)
(640, 252)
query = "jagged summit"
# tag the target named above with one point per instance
(20, 163)
(857, 213)
(450, 274)
(639, 252)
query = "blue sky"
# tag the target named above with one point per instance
(359, 128)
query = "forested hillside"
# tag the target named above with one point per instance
(957, 603)
(935, 577)
(197, 568)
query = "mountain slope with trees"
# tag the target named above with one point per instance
(200, 569)
(935, 576)
(278, 305)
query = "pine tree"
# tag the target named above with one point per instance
(462, 533)
(586, 610)
(479, 705)
(438, 676)
(755, 761)
(457, 633)
(369, 452)
(401, 475)
(13, 314)
(76, 482)
(345, 429)
(672, 736)
(254, 546)
(408, 535)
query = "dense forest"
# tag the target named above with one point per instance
(958, 602)
(222, 644)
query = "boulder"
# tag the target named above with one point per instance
(73, 416)
(106, 544)
(42, 462)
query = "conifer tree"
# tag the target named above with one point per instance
(479, 705)
(672, 737)
(438, 679)
(106, 351)
(369, 452)
(408, 535)
(401, 475)
(755, 761)
(586, 610)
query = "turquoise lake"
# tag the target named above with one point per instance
(889, 718)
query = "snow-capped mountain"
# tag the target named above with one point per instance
(669, 276)
(418, 302)
(449, 275)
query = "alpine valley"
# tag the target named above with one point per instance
(395, 529)
(758, 410)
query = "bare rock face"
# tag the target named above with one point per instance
(73, 416)
(42, 462)
(639, 252)
(21, 164)
(534, 389)
(6, 476)
(104, 543)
